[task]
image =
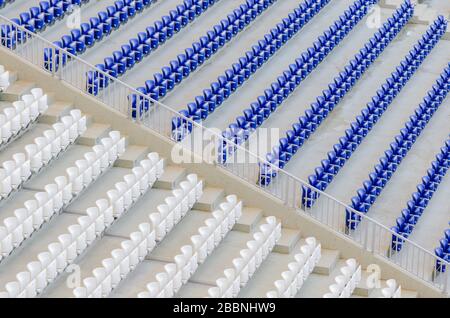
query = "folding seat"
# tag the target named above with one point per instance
(12, 120)
(192, 5)
(108, 21)
(127, 6)
(323, 177)
(135, 56)
(267, 104)
(213, 100)
(68, 44)
(185, 12)
(200, 52)
(85, 39)
(195, 56)
(347, 147)
(226, 85)
(54, 141)
(110, 67)
(181, 19)
(391, 160)
(31, 23)
(434, 177)
(272, 41)
(216, 36)
(97, 29)
(304, 127)
(282, 156)
(89, 34)
(294, 76)
(161, 31)
(287, 146)
(180, 126)
(238, 133)
(203, 104)
(114, 12)
(365, 123)
(123, 62)
(278, 93)
(440, 168)
(328, 100)
(282, 33)
(161, 85)
(253, 118)
(236, 22)
(352, 137)
(228, 27)
(259, 110)
(46, 17)
(285, 81)
(318, 110)
(148, 42)
(139, 5)
(410, 220)
(188, 65)
(371, 190)
(209, 46)
(266, 47)
(197, 113)
(359, 205)
(138, 50)
(173, 26)
(313, 119)
(54, 11)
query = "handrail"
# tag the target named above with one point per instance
(83, 67)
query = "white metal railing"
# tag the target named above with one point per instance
(206, 144)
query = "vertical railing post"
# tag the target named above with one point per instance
(31, 46)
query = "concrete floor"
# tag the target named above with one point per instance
(266, 76)
(442, 6)
(169, 50)
(385, 210)
(13, 10)
(187, 91)
(60, 27)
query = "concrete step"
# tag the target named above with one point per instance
(249, 219)
(137, 280)
(15, 91)
(13, 77)
(179, 236)
(222, 258)
(139, 213)
(270, 271)
(287, 241)
(210, 199)
(90, 259)
(93, 134)
(193, 290)
(423, 14)
(132, 156)
(28, 251)
(446, 35)
(171, 177)
(316, 285)
(327, 262)
(25, 138)
(362, 289)
(57, 168)
(390, 4)
(55, 111)
(97, 190)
